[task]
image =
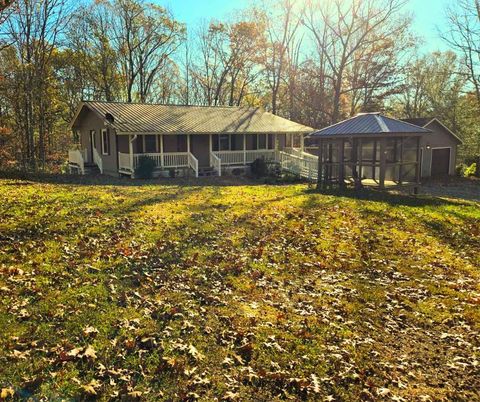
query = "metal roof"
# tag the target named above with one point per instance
(370, 123)
(135, 118)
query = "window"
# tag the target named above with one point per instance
(262, 141)
(224, 142)
(182, 143)
(105, 142)
(150, 144)
(236, 142)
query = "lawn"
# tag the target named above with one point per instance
(249, 292)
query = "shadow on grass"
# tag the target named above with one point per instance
(23, 179)
(392, 199)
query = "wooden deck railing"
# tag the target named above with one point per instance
(244, 157)
(77, 157)
(216, 163)
(97, 159)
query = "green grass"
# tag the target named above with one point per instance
(248, 292)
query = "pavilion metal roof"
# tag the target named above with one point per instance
(369, 124)
(135, 118)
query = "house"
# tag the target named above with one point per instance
(182, 140)
(369, 149)
(438, 148)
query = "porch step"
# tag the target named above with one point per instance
(206, 171)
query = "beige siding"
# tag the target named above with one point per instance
(89, 121)
(439, 138)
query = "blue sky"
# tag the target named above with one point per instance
(429, 15)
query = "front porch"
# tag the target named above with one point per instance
(194, 153)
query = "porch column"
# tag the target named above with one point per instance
(162, 162)
(302, 142)
(188, 143)
(130, 150)
(244, 149)
(383, 164)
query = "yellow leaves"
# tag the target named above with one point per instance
(193, 352)
(90, 352)
(7, 393)
(92, 387)
(90, 331)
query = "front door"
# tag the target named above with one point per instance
(200, 148)
(440, 162)
(93, 144)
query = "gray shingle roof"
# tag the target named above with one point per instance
(370, 123)
(162, 119)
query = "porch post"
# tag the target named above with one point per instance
(162, 162)
(244, 149)
(302, 143)
(188, 143)
(130, 150)
(383, 165)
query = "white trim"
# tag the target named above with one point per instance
(102, 132)
(449, 159)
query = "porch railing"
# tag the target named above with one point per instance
(193, 163)
(244, 157)
(77, 157)
(124, 162)
(97, 159)
(304, 166)
(216, 163)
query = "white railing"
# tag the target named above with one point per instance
(177, 159)
(306, 166)
(157, 158)
(97, 159)
(216, 163)
(124, 162)
(244, 157)
(77, 157)
(193, 163)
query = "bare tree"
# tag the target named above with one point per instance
(464, 38)
(146, 36)
(282, 25)
(33, 30)
(343, 30)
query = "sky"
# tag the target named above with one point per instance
(429, 15)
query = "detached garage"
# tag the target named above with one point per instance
(438, 149)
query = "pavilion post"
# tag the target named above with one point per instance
(320, 166)
(418, 173)
(341, 161)
(383, 164)
(400, 169)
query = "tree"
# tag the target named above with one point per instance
(281, 27)
(146, 35)
(345, 33)
(464, 38)
(228, 60)
(33, 30)
(434, 85)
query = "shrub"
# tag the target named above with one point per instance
(145, 168)
(259, 168)
(470, 171)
